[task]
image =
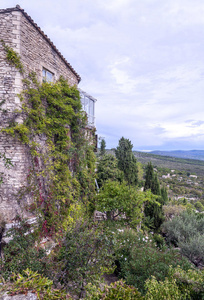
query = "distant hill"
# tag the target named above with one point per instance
(177, 163)
(190, 154)
(194, 166)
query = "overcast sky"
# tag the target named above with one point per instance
(143, 60)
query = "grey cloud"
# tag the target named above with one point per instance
(142, 60)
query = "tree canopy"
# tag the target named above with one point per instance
(127, 161)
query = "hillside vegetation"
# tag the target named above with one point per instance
(127, 224)
(188, 165)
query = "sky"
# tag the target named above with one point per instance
(143, 60)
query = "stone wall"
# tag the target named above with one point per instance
(36, 51)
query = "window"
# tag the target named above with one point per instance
(88, 104)
(47, 75)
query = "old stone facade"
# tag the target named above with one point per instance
(38, 54)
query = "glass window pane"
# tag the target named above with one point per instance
(49, 76)
(91, 107)
(86, 105)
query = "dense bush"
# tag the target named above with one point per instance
(116, 291)
(21, 253)
(178, 285)
(187, 232)
(84, 256)
(199, 206)
(35, 283)
(191, 281)
(163, 290)
(170, 211)
(107, 169)
(139, 258)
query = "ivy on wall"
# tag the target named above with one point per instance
(53, 127)
(13, 57)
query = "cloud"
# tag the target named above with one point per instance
(142, 60)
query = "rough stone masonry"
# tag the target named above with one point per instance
(37, 54)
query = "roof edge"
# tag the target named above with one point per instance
(18, 8)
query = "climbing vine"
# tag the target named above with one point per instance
(54, 130)
(13, 57)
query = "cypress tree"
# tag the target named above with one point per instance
(153, 212)
(127, 161)
(103, 147)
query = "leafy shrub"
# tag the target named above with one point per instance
(190, 280)
(85, 255)
(163, 290)
(139, 258)
(159, 240)
(194, 249)
(20, 253)
(116, 291)
(187, 232)
(170, 211)
(199, 206)
(36, 283)
(178, 285)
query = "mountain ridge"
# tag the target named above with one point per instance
(189, 154)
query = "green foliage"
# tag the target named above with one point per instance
(140, 174)
(63, 168)
(85, 255)
(187, 232)
(164, 290)
(170, 211)
(13, 57)
(164, 195)
(122, 202)
(21, 253)
(199, 206)
(7, 163)
(127, 161)
(36, 283)
(103, 147)
(154, 215)
(159, 240)
(149, 177)
(116, 291)
(190, 280)
(139, 258)
(179, 284)
(107, 168)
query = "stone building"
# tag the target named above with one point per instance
(37, 54)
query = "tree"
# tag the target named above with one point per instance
(127, 161)
(108, 169)
(153, 211)
(155, 185)
(122, 202)
(187, 232)
(103, 147)
(164, 195)
(149, 177)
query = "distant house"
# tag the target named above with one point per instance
(40, 55)
(166, 176)
(193, 176)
